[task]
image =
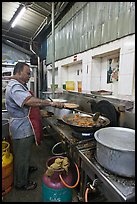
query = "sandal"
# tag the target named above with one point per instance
(30, 186)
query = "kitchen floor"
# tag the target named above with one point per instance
(40, 154)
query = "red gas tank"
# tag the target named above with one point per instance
(53, 189)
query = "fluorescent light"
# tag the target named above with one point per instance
(18, 17)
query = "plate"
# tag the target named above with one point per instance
(71, 105)
(102, 92)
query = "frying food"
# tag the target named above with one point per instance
(80, 120)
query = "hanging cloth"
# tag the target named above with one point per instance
(36, 122)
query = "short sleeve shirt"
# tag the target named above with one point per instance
(15, 95)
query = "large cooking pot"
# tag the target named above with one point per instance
(58, 112)
(69, 120)
(5, 128)
(115, 150)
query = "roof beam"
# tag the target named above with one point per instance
(17, 46)
(42, 8)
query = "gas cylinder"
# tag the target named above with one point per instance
(53, 190)
(7, 168)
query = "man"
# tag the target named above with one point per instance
(25, 123)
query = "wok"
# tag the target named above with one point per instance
(101, 122)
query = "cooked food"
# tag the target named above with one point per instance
(70, 105)
(80, 120)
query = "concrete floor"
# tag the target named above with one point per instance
(40, 154)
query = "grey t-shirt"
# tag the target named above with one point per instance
(15, 95)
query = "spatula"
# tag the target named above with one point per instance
(96, 116)
(50, 99)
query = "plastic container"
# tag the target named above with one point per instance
(70, 85)
(79, 86)
(7, 168)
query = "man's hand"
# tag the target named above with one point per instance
(58, 104)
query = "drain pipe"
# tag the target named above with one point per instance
(38, 72)
(53, 53)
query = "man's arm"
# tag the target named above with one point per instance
(33, 101)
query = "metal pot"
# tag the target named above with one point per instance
(103, 123)
(5, 128)
(115, 150)
(61, 112)
(58, 112)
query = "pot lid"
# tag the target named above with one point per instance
(107, 110)
(118, 138)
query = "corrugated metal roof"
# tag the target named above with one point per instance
(35, 18)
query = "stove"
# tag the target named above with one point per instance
(81, 147)
(114, 187)
(82, 136)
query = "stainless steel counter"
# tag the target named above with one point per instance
(115, 188)
(126, 108)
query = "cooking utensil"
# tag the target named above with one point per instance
(96, 116)
(59, 113)
(57, 100)
(115, 150)
(101, 122)
(50, 99)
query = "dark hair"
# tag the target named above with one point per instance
(19, 67)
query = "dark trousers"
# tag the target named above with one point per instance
(22, 152)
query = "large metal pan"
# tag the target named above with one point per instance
(115, 150)
(101, 122)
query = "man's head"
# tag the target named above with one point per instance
(22, 71)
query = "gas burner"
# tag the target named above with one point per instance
(122, 188)
(83, 136)
(114, 176)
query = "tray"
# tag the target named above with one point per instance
(102, 92)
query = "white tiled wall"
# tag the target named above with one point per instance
(96, 78)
